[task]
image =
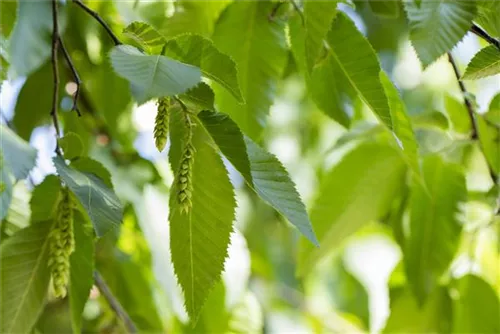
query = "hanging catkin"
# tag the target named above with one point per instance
(161, 124)
(62, 244)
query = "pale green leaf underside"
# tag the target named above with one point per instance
(153, 76)
(263, 171)
(434, 226)
(100, 202)
(258, 47)
(199, 51)
(484, 64)
(359, 63)
(199, 239)
(24, 278)
(146, 36)
(346, 200)
(18, 155)
(437, 26)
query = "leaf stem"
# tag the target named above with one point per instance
(55, 72)
(467, 102)
(99, 19)
(114, 303)
(484, 35)
(75, 76)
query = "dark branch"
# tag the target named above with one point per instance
(55, 72)
(114, 303)
(75, 76)
(467, 102)
(99, 19)
(484, 35)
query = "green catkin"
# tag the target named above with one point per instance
(184, 178)
(62, 244)
(161, 124)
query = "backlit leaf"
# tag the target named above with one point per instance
(484, 64)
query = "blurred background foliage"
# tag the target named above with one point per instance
(363, 277)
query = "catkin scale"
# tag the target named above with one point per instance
(61, 245)
(161, 124)
(184, 179)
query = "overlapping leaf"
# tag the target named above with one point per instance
(258, 47)
(360, 67)
(346, 201)
(19, 157)
(484, 64)
(150, 39)
(199, 238)
(24, 278)
(199, 51)
(262, 170)
(489, 138)
(153, 76)
(434, 229)
(100, 202)
(437, 26)
(45, 198)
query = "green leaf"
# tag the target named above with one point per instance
(5, 188)
(487, 16)
(434, 228)
(146, 36)
(258, 47)
(30, 40)
(45, 198)
(346, 201)
(458, 115)
(100, 202)
(318, 16)
(199, 238)
(493, 114)
(153, 76)
(247, 316)
(24, 278)
(199, 98)
(263, 171)
(8, 15)
(476, 308)
(407, 317)
(88, 165)
(81, 274)
(361, 67)
(437, 26)
(484, 64)
(401, 124)
(199, 51)
(386, 9)
(72, 145)
(18, 156)
(489, 137)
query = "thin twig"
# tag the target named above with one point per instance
(55, 72)
(467, 102)
(484, 35)
(75, 76)
(99, 19)
(114, 303)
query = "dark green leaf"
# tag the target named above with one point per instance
(258, 47)
(72, 145)
(484, 64)
(487, 16)
(146, 36)
(437, 26)
(200, 97)
(434, 229)
(153, 76)
(346, 201)
(100, 202)
(24, 278)
(476, 308)
(45, 198)
(199, 51)
(386, 9)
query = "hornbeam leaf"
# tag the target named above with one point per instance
(258, 47)
(199, 236)
(18, 155)
(437, 26)
(346, 200)
(100, 202)
(263, 171)
(484, 64)
(358, 61)
(146, 36)
(434, 229)
(153, 76)
(199, 51)
(24, 278)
